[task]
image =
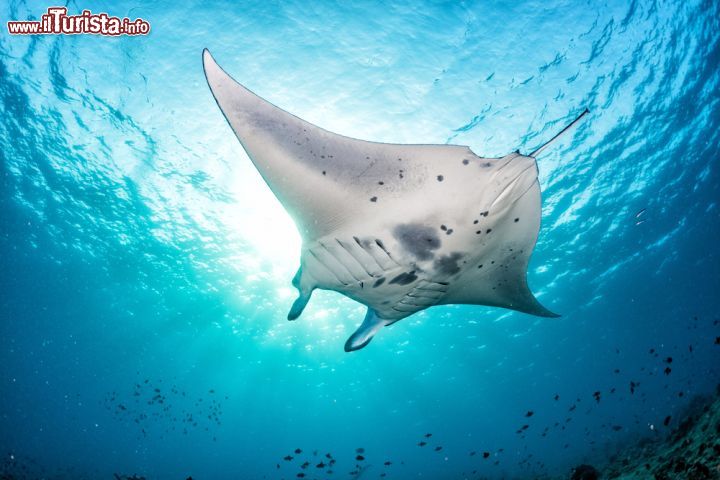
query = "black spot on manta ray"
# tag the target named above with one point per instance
(418, 239)
(373, 199)
(440, 178)
(517, 220)
(404, 278)
(379, 282)
(466, 161)
(448, 264)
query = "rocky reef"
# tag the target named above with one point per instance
(690, 452)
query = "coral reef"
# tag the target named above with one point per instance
(690, 452)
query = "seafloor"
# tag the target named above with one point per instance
(690, 452)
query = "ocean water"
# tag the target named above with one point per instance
(145, 266)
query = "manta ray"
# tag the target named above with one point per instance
(398, 228)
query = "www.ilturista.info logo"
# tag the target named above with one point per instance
(57, 21)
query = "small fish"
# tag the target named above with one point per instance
(301, 475)
(633, 385)
(359, 458)
(530, 413)
(667, 370)
(387, 463)
(639, 214)
(422, 444)
(617, 428)
(287, 458)
(428, 435)
(486, 454)
(304, 465)
(597, 396)
(298, 451)
(360, 450)
(437, 449)
(668, 360)
(666, 422)
(557, 397)
(473, 453)
(320, 465)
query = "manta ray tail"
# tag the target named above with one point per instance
(365, 332)
(539, 150)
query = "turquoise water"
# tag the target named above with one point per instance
(141, 250)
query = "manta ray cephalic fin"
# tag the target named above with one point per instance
(366, 331)
(305, 290)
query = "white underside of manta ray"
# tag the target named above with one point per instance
(398, 228)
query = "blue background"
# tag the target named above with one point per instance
(138, 243)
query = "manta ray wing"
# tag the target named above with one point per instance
(499, 276)
(321, 177)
